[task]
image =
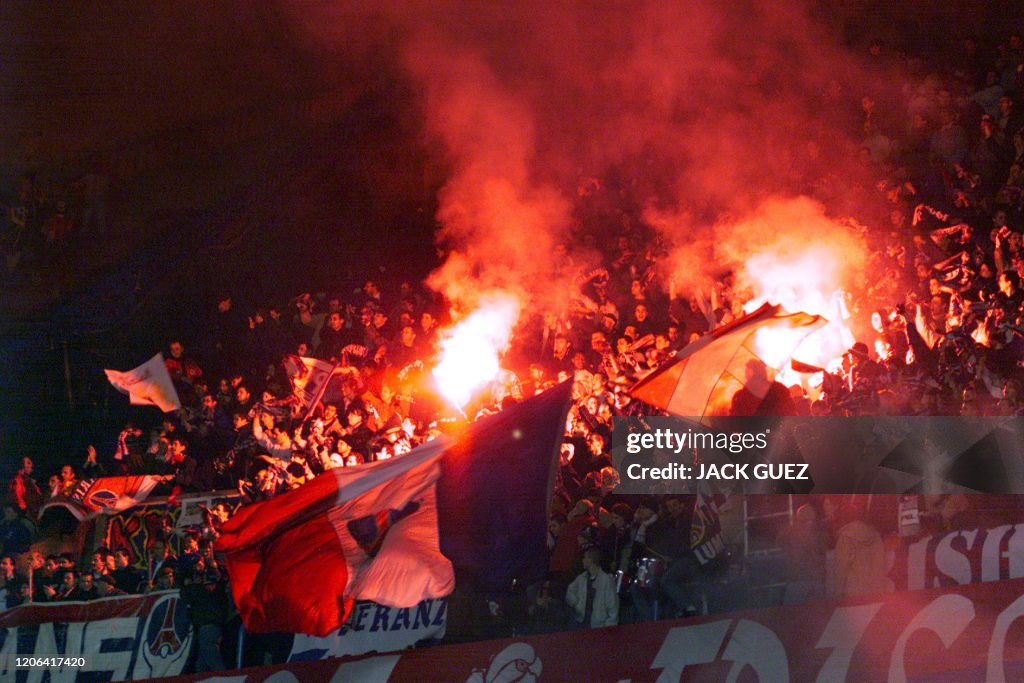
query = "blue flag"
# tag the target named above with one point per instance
(494, 489)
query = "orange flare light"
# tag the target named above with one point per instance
(803, 281)
(471, 349)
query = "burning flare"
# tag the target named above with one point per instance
(471, 349)
(804, 261)
(801, 282)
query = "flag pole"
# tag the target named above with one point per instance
(241, 646)
(67, 375)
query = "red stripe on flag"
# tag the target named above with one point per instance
(287, 595)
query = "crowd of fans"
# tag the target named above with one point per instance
(42, 220)
(948, 338)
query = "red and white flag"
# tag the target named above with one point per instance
(706, 374)
(106, 495)
(147, 385)
(299, 561)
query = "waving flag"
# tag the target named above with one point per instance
(316, 380)
(706, 374)
(309, 378)
(299, 561)
(706, 526)
(494, 492)
(147, 385)
(371, 532)
(106, 495)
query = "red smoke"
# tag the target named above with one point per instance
(701, 109)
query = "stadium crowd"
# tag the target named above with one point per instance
(946, 315)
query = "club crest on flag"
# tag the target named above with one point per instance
(517, 662)
(103, 498)
(106, 495)
(168, 634)
(369, 531)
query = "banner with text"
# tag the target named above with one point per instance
(111, 639)
(994, 553)
(375, 628)
(963, 633)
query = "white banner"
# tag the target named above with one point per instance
(147, 385)
(111, 639)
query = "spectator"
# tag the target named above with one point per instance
(66, 483)
(189, 555)
(208, 606)
(804, 546)
(165, 580)
(48, 576)
(106, 586)
(90, 468)
(592, 595)
(99, 567)
(180, 468)
(6, 569)
(160, 557)
(182, 369)
(859, 556)
(546, 612)
(127, 578)
(563, 558)
(271, 438)
(86, 589)
(25, 491)
(15, 534)
(667, 538)
(759, 395)
(68, 588)
(264, 486)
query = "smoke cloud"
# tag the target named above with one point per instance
(707, 116)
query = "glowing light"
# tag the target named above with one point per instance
(471, 349)
(801, 279)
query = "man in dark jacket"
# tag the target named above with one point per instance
(207, 600)
(760, 395)
(668, 539)
(180, 466)
(126, 577)
(15, 536)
